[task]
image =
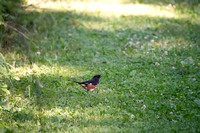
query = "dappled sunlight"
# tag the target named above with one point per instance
(104, 9)
(37, 69)
(55, 111)
(146, 54)
(92, 115)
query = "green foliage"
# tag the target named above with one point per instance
(10, 19)
(11, 9)
(5, 78)
(150, 68)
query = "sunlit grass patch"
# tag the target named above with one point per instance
(108, 9)
(38, 69)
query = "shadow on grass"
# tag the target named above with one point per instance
(68, 40)
(70, 36)
(166, 2)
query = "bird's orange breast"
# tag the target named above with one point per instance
(91, 87)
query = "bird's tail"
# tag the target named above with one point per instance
(75, 81)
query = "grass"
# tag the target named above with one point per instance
(149, 63)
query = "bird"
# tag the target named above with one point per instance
(90, 85)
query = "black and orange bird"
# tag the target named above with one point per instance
(90, 85)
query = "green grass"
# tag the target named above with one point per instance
(150, 68)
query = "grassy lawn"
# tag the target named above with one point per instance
(147, 53)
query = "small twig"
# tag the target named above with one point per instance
(21, 33)
(11, 27)
(23, 28)
(31, 5)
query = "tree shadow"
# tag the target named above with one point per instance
(170, 28)
(166, 2)
(49, 91)
(166, 30)
(70, 35)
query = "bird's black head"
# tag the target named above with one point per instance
(97, 77)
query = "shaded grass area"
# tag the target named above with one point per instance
(150, 68)
(176, 2)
